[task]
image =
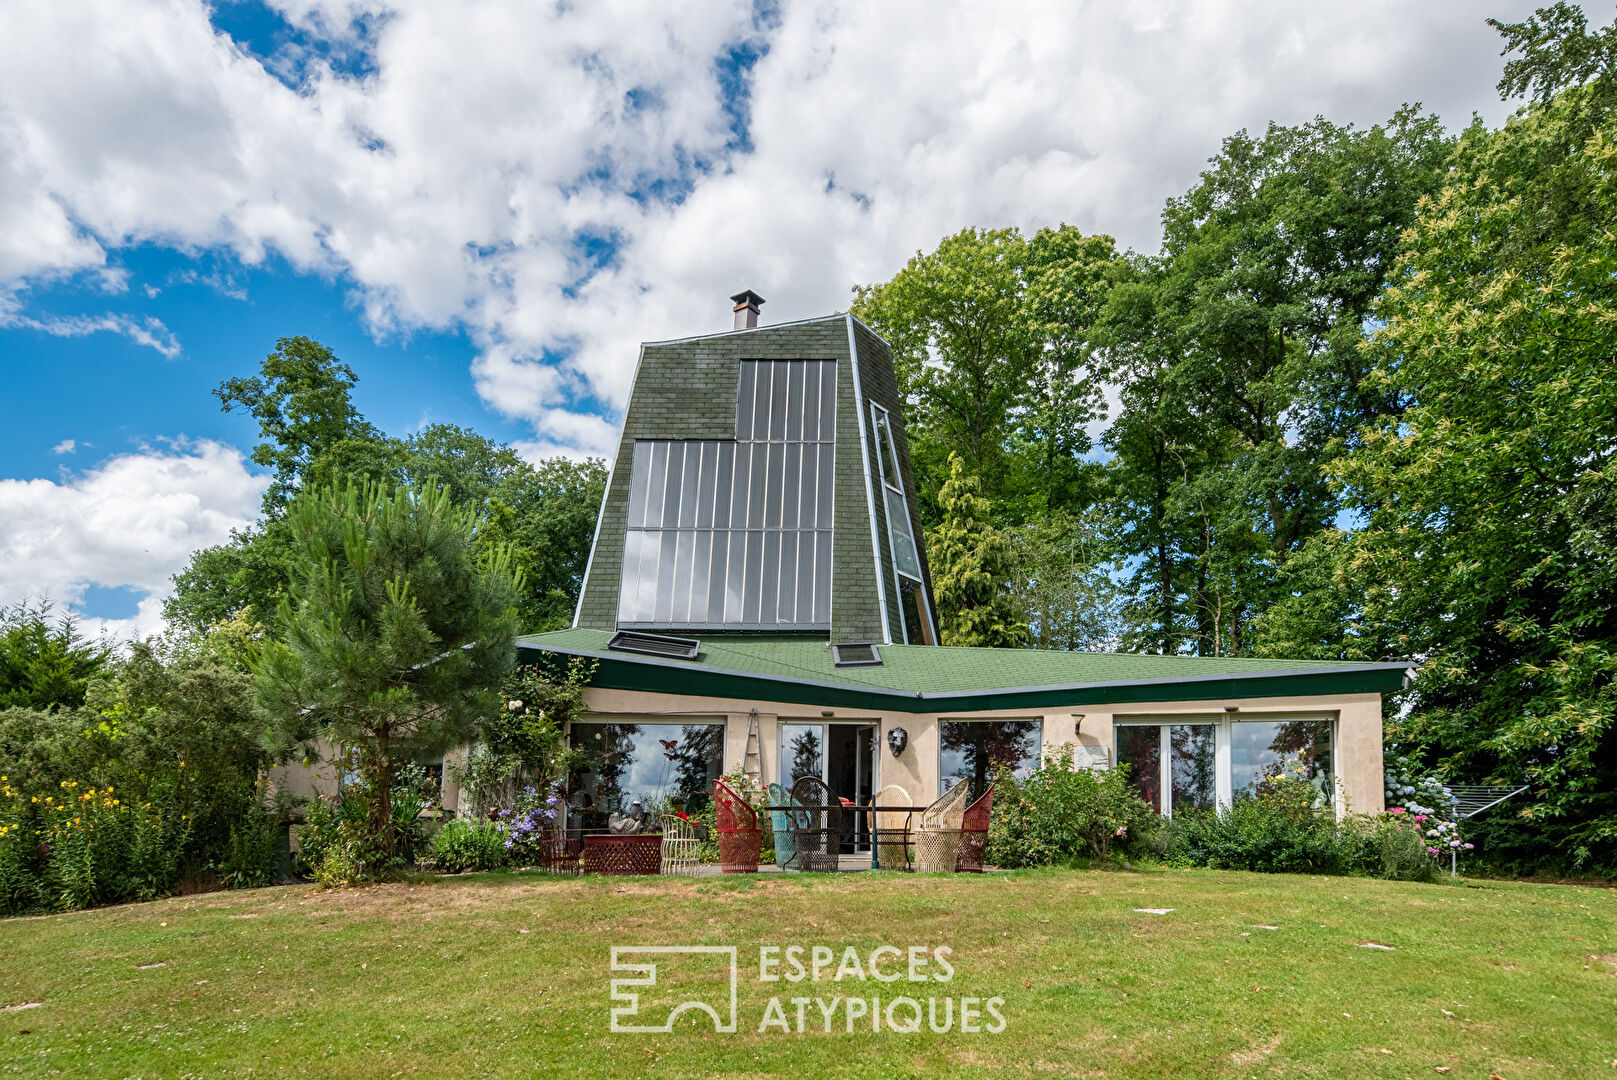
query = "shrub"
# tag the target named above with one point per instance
(1060, 814)
(469, 845)
(250, 860)
(523, 827)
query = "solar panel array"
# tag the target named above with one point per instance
(738, 534)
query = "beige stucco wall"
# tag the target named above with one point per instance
(1358, 735)
(1358, 731)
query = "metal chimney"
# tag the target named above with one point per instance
(747, 303)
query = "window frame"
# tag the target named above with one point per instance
(1223, 728)
(881, 425)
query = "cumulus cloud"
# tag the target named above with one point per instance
(66, 446)
(563, 181)
(130, 522)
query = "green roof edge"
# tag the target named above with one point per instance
(650, 675)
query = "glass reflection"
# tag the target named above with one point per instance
(1140, 748)
(973, 750)
(1299, 749)
(664, 767)
(1192, 766)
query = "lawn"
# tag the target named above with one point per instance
(508, 975)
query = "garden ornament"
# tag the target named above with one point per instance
(897, 739)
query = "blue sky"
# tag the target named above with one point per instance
(483, 208)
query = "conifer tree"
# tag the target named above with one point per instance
(971, 566)
(396, 634)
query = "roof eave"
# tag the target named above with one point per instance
(655, 675)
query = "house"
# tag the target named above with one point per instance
(758, 596)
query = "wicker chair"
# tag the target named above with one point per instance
(937, 841)
(559, 853)
(817, 832)
(974, 834)
(680, 846)
(740, 839)
(784, 822)
(889, 832)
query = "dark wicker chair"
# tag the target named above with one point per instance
(740, 839)
(974, 834)
(817, 833)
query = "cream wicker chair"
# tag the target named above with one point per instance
(889, 831)
(937, 841)
(680, 846)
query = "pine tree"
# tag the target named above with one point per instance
(396, 635)
(971, 567)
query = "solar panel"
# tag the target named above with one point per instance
(674, 648)
(856, 654)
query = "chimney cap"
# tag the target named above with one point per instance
(747, 298)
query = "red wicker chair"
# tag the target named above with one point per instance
(740, 839)
(974, 834)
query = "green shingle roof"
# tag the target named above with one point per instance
(920, 678)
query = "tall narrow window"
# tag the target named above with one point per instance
(737, 533)
(901, 533)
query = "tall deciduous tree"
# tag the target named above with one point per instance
(971, 568)
(396, 634)
(1490, 549)
(1238, 351)
(991, 338)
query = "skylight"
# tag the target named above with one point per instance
(673, 648)
(856, 654)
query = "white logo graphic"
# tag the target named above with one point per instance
(624, 989)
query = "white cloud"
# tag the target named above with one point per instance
(449, 186)
(149, 332)
(131, 522)
(66, 446)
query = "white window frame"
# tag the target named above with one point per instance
(1223, 727)
(882, 421)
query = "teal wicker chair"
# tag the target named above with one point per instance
(785, 846)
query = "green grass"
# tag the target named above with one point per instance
(439, 978)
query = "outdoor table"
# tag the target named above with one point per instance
(614, 853)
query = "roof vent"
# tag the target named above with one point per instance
(673, 648)
(747, 304)
(856, 654)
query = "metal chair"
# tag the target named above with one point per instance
(783, 822)
(680, 846)
(892, 841)
(974, 834)
(740, 839)
(937, 841)
(817, 833)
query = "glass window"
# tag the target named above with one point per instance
(917, 631)
(1261, 751)
(802, 753)
(898, 519)
(1140, 748)
(722, 533)
(664, 767)
(973, 750)
(1192, 766)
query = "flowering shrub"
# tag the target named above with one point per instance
(83, 846)
(523, 827)
(1426, 806)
